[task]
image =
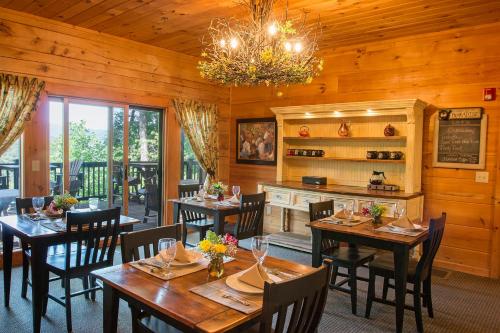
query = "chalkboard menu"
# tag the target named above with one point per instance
(460, 138)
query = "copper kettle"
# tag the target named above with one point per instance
(304, 131)
(344, 129)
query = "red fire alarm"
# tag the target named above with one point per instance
(490, 94)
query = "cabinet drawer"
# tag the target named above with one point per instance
(302, 200)
(278, 197)
(362, 203)
(390, 208)
(338, 204)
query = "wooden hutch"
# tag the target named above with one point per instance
(345, 164)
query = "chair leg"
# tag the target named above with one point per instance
(26, 270)
(418, 307)
(93, 284)
(85, 282)
(135, 318)
(67, 299)
(46, 296)
(333, 278)
(428, 296)
(203, 233)
(386, 288)
(370, 294)
(354, 289)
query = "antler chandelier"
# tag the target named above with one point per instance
(260, 50)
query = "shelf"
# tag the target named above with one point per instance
(346, 159)
(349, 138)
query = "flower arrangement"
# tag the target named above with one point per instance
(218, 189)
(374, 211)
(215, 248)
(64, 202)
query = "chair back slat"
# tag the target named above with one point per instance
(304, 296)
(186, 191)
(320, 210)
(250, 216)
(95, 235)
(25, 205)
(431, 246)
(132, 242)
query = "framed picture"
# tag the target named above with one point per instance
(256, 141)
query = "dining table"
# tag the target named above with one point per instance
(367, 234)
(175, 302)
(40, 238)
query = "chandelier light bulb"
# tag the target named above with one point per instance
(297, 47)
(273, 29)
(233, 43)
(222, 43)
(288, 46)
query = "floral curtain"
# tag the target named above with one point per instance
(199, 122)
(18, 98)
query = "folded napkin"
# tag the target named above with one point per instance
(255, 276)
(181, 255)
(234, 199)
(403, 222)
(342, 214)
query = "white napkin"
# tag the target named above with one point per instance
(255, 276)
(342, 215)
(234, 200)
(403, 222)
(181, 255)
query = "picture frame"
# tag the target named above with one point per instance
(256, 141)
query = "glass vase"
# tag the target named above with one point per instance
(220, 197)
(216, 267)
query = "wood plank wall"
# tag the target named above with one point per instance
(82, 63)
(446, 69)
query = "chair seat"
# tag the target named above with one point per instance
(55, 250)
(152, 324)
(349, 257)
(384, 265)
(198, 224)
(57, 263)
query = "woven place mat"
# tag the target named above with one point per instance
(177, 271)
(348, 223)
(54, 225)
(218, 291)
(387, 228)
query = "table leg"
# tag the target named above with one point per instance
(39, 282)
(219, 223)
(401, 254)
(317, 239)
(8, 242)
(110, 309)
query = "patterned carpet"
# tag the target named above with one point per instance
(462, 303)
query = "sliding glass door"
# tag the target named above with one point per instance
(107, 151)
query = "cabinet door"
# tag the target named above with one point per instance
(277, 197)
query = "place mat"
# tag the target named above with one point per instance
(55, 225)
(387, 228)
(227, 203)
(177, 271)
(346, 222)
(218, 291)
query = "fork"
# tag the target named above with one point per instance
(236, 299)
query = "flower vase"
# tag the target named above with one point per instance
(216, 267)
(220, 196)
(377, 222)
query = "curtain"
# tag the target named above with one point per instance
(18, 98)
(199, 122)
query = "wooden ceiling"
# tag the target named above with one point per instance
(179, 24)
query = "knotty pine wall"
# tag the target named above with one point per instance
(78, 62)
(446, 69)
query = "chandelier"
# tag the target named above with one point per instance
(259, 50)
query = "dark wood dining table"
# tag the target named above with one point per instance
(208, 207)
(40, 239)
(173, 302)
(364, 234)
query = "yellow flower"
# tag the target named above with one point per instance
(267, 55)
(205, 245)
(220, 248)
(252, 68)
(309, 80)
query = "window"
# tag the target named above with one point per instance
(191, 171)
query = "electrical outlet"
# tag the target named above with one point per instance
(269, 210)
(482, 176)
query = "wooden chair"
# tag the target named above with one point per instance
(347, 257)
(24, 206)
(151, 201)
(132, 244)
(419, 274)
(95, 235)
(192, 220)
(303, 298)
(250, 218)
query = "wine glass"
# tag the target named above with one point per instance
(349, 210)
(236, 190)
(38, 203)
(93, 203)
(166, 249)
(399, 211)
(260, 245)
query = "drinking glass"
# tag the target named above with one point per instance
(166, 249)
(38, 203)
(260, 245)
(349, 210)
(399, 211)
(236, 190)
(93, 203)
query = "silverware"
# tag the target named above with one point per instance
(150, 264)
(277, 272)
(236, 299)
